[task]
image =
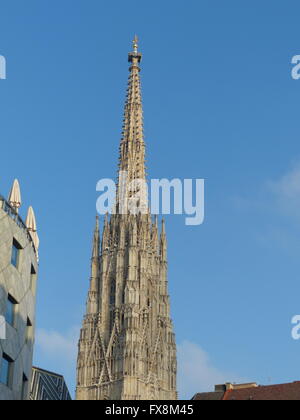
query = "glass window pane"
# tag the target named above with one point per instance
(10, 312)
(14, 255)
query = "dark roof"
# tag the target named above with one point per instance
(209, 396)
(47, 372)
(283, 392)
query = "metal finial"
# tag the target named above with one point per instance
(135, 44)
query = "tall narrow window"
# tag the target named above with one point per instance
(33, 278)
(5, 369)
(28, 337)
(15, 253)
(10, 310)
(24, 387)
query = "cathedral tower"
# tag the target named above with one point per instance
(127, 347)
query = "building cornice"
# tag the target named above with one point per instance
(11, 212)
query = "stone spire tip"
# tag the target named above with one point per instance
(135, 43)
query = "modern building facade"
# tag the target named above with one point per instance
(48, 386)
(127, 347)
(18, 279)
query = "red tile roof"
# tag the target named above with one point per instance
(283, 392)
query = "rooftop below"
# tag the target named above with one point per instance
(252, 392)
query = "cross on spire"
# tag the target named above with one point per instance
(134, 56)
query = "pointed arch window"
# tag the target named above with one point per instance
(112, 298)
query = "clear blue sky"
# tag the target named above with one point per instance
(219, 104)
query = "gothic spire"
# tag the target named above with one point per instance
(96, 240)
(95, 258)
(132, 147)
(163, 241)
(105, 235)
(127, 349)
(93, 298)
